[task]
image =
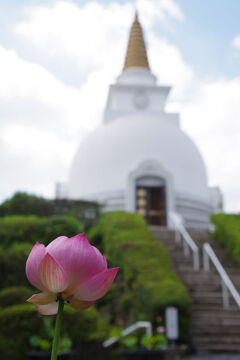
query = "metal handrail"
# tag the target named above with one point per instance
(188, 242)
(227, 285)
(140, 324)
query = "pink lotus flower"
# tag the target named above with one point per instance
(161, 329)
(69, 268)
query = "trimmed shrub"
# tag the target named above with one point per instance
(227, 231)
(12, 265)
(146, 283)
(30, 229)
(14, 295)
(27, 204)
(18, 234)
(22, 203)
(18, 323)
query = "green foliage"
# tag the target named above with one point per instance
(227, 231)
(12, 265)
(27, 204)
(154, 342)
(146, 283)
(44, 343)
(30, 229)
(18, 234)
(130, 343)
(18, 323)
(14, 295)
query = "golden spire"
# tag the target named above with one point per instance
(136, 52)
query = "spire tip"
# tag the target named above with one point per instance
(136, 51)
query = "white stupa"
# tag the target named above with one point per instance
(139, 159)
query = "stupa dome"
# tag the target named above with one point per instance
(109, 154)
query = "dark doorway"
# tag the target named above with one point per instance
(151, 204)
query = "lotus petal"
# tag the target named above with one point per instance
(52, 275)
(97, 286)
(102, 262)
(50, 309)
(78, 258)
(32, 265)
(79, 304)
(43, 298)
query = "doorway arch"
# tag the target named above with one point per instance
(151, 200)
(158, 195)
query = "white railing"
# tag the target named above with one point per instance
(227, 285)
(188, 242)
(138, 325)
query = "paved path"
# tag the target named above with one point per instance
(214, 357)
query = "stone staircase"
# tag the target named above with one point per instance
(213, 328)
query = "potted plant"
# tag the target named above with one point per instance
(42, 345)
(144, 348)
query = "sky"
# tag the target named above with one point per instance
(58, 57)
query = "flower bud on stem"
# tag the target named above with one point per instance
(57, 329)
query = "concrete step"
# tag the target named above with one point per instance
(209, 298)
(218, 321)
(162, 233)
(173, 248)
(182, 268)
(205, 307)
(218, 347)
(192, 281)
(203, 339)
(208, 277)
(202, 287)
(226, 313)
(179, 259)
(200, 236)
(216, 330)
(231, 271)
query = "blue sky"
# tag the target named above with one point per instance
(58, 56)
(204, 37)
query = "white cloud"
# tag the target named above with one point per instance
(211, 118)
(54, 86)
(167, 63)
(236, 42)
(42, 121)
(86, 33)
(29, 94)
(159, 11)
(32, 160)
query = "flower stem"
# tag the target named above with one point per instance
(57, 329)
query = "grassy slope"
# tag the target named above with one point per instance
(228, 232)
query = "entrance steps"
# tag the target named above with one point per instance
(213, 328)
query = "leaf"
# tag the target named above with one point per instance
(130, 342)
(45, 345)
(35, 340)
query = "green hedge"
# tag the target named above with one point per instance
(18, 323)
(227, 231)
(146, 282)
(30, 229)
(12, 265)
(14, 295)
(22, 203)
(18, 234)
